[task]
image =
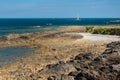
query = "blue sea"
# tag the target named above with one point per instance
(12, 54)
(28, 25)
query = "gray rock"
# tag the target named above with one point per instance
(66, 77)
(116, 67)
(73, 73)
(60, 68)
(88, 75)
(87, 56)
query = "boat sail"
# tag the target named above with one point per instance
(78, 18)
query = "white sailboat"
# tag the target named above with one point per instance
(78, 18)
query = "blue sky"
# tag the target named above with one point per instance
(59, 8)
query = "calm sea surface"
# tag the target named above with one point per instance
(35, 25)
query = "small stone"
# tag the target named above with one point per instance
(116, 67)
(53, 49)
(73, 73)
(51, 78)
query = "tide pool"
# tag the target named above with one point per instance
(12, 54)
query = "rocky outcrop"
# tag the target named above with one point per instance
(88, 66)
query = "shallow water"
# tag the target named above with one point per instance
(12, 54)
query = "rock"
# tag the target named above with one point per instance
(62, 77)
(113, 47)
(105, 66)
(51, 78)
(61, 68)
(3, 38)
(108, 51)
(98, 59)
(87, 56)
(87, 75)
(73, 73)
(53, 49)
(118, 76)
(35, 76)
(66, 77)
(105, 69)
(24, 37)
(116, 67)
(83, 76)
(88, 66)
(58, 70)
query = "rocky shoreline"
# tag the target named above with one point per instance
(62, 55)
(86, 66)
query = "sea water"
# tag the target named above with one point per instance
(28, 25)
(12, 54)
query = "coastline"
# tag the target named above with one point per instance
(52, 47)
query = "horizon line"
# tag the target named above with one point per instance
(54, 18)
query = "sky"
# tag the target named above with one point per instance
(59, 8)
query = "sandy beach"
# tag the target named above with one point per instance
(99, 37)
